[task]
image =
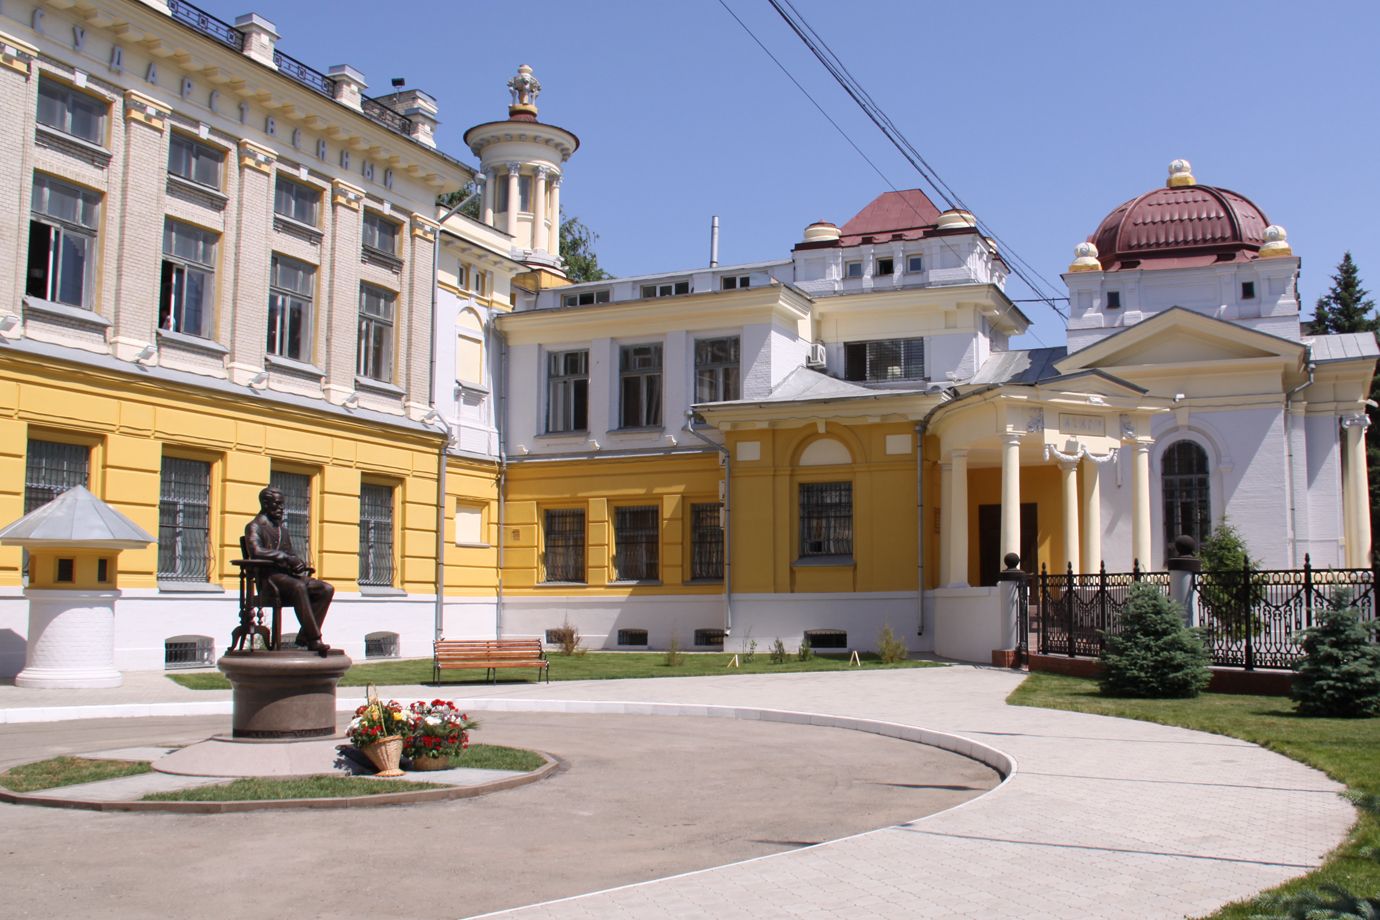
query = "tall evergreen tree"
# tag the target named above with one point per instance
(577, 251)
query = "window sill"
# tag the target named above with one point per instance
(189, 587)
(298, 229)
(382, 387)
(635, 583)
(65, 315)
(294, 368)
(72, 145)
(638, 429)
(562, 584)
(704, 581)
(579, 435)
(474, 545)
(380, 591)
(187, 342)
(477, 388)
(815, 562)
(196, 193)
(382, 259)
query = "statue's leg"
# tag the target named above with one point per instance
(294, 594)
(321, 593)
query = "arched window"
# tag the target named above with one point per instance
(1187, 508)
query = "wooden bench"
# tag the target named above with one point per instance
(489, 654)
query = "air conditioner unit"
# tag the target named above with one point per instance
(816, 356)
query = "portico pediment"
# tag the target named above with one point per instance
(1178, 336)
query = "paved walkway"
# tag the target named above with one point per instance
(1101, 817)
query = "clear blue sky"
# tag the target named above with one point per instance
(1042, 116)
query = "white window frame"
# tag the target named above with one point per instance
(915, 264)
(299, 195)
(666, 289)
(713, 380)
(63, 104)
(196, 155)
(71, 241)
(373, 230)
(374, 354)
(642, 366)
(586, 298)
(287, 301)
(563, 392)
(852, 269)
(187, 269)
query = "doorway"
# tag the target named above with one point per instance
(989, 541)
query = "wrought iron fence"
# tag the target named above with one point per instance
(206, 24)
(1253, 619)
(1077, 611)
(312, 79)
(378, 112)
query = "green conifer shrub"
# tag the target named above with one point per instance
(1156, 656)
(1340, 673)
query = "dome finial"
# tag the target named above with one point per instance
(1181, 174)
(525, 88)
(1276, 243)
(1085, 258)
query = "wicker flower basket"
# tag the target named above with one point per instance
(386, 754)
(431, 763)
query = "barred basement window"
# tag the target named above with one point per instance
(376, 535)
(827, 638)
(184, 521)
(826, 519)
(636, 544)
(187, 652)
(52, 468)
(889, 359)
(553, 636)
(565, 544)
(296, 489)
(632, 637)
(381, 645)
(710, 637)
(706, 542)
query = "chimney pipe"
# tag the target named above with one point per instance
(714, 242)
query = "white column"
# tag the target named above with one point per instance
(1140, 505)
(1355, 504)
(554, 243)
(1092, 516)
(1011, 497)
(946, 519)
(956, 538)
(490, 189)
(511, 228)
(539, 211)
(1068, 473)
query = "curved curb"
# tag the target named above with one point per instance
(421, 796)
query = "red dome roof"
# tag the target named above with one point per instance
(1180, 227)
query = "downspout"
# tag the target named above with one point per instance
(920, 429)
(728, 520)
(1289, 456)
(501, 382)
(431, 401)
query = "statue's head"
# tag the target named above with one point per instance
(271, 503)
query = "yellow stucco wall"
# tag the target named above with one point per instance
(1039, 485)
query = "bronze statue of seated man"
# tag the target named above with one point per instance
(289, 576)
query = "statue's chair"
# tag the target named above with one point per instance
(256, 594)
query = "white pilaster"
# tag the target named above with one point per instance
(1140, 505)
(956, 510)
(539, 210)
(490, 189)
(1092, 516)
(554, 243)
(1068, 474)
(1355, 516)
(511, 228)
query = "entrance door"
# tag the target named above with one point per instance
(989, 541)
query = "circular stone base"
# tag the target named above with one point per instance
(222, 756)
(68, 678)
(284, 694)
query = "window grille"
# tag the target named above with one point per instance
(62, 242)
(188, 283)
(296, 489)
(296, 201)
(1187, 501)
(375, 352)
(632, 637)
(567, 391)
(710, 637)
(827, 638)
(187, 652)
(194, 161)
(70, 111)
(565, 544)
(706, 542)
(381, 645)
(291, 288)
(52, 468)
(376, 535)
(184, 521)
(716, 369)
(826, 519)
(636, 543)
(889, 359)
(640, 376)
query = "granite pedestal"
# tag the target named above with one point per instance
(284, 695)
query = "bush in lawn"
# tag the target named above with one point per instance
(674, 657)
(566, 638)
(889, 648)
(1340, 673)
(805, 651)
(778, 651)
(1155, 656)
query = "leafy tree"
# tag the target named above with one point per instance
(1221, 593)
(1156, 656)
(577, 251)
(451, 199)
(1340, 673)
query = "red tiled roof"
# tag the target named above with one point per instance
(905, 215)
(1180, 227)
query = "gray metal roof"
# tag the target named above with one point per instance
(1342, 346)
(76, 518)
(1021, 367)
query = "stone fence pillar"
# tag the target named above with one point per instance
(1183, 566)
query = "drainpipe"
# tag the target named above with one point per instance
(728, 519)
(500, 378)
(920, 428)
(1289, 457)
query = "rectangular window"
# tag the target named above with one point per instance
(735, 282)
(188, 285)
(525, 194)
(1247, 290)
(376, 535)
(586, 298)
(51, 468)
(886, 266)
(1113, 300)
(915, 263)
(184, 521)
(296, 489)
(469, 526)
(888, 359)
(636, 543)
(852, 269)
(71, 111)
(375, 359)
(194, 161)
(639, 373)
(667, 289)
(380, 234)
(706, 542)
(296, 201)
(62, 242)
(826, 519)
(716, 369)
(565, 544)
(291, 287)
(567, 391)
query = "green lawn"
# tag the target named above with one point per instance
(67, 771)
(498, 757)
(255, 789)
(590, 666)
(1348, 750)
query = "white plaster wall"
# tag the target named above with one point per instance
(470, 618)
(956, 354)
(788, 351)
(765, 617)
(969, 623)
(755, 350)
(1323, 502)
(469, 413)
(598, 619)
